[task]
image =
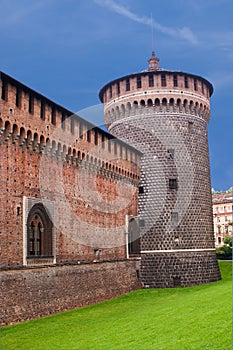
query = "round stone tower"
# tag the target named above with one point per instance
(164, 114)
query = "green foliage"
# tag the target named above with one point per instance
(228, 240)
(193, 318)
(224, 252)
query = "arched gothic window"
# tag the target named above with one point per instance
(39, 232)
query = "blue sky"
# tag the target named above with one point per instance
(69, 49)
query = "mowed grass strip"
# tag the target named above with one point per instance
(181, 318)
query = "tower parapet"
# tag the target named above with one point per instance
(164, 114)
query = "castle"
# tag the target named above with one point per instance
(87, 215)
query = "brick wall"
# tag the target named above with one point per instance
(37, 292)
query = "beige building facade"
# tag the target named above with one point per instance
(222, 216)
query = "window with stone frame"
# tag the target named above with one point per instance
(39, 232)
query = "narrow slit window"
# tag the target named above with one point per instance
(4, 90)
(31, 104)
(53, 118)
(195, 84)
(18, 98)
(102, 141)
(63, 118)
(42, 110)
(127, 84)
(139, 82)
(72, 125)
(151, 80)
(88, 135)
(80, 130)
(186, 82)
(96, 137)
(118, 88)
(175, 80)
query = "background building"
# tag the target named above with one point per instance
(222, 215)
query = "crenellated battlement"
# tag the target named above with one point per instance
(30, 120)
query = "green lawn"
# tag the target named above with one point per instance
(181, 318)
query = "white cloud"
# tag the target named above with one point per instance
(183, 33)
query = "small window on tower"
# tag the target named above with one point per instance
(96, 137)
(102, 141)
(175, 80)
(4, 90)
(195, 84)
(127, 84)
(151, 80)
(88, 135)
(186, 83)
(18, 98)
(190, 125)
(42, 110)
(140, 189)
(118, 88)
(173, 184)
(31, 104)
(141, 222)
(110, 91)
(174, 217)
(53, 118)
(170, 153)
(163, 80)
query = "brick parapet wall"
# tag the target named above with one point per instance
(37, 292)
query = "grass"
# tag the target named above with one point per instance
(190, 318)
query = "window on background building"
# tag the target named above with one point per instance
(224, 209)
(219, 229)
(226, 219)
(217, 210)
(218, 219)
(39, 232)
(219, 240)
(226, 229)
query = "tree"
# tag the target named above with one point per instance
(228, 240)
